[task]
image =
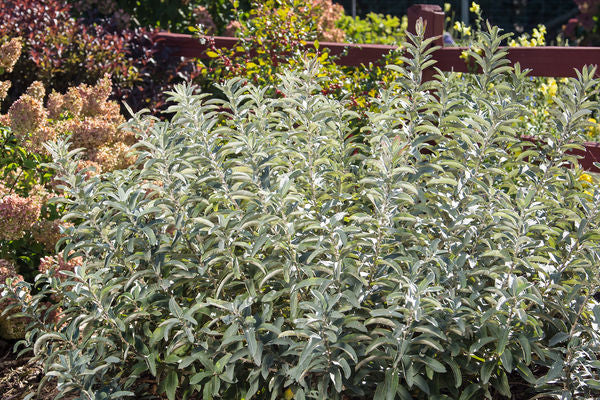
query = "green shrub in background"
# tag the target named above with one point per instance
(257, 251)
(374, 28)
(263, 53)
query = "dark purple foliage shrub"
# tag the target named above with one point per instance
(62, 51)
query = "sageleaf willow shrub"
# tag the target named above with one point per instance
(256, 251)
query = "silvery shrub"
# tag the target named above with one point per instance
(271, 248)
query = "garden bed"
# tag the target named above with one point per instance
(18, 376)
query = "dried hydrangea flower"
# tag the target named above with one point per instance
(4, 86)
(232, 28)
(328, 15)
(26, 115)
(36, 90)
(115, 156)
(54, 264)
(91, 133)
(92, 168)
(18, 214)
(7, 270)
(73, 102)
(11, 328)
(10, 53)
(95, 97)
(55, 105)
(35, 142)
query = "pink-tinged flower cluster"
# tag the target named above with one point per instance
(328, 14)
(92, 168)
(116, 156)
(53, 265)
(85, 101)
(26, 115)
(48, 232)
(203, 17)
(95, 98)
(94, 124)
(7, 270)
(18, 214)
(9, 54)
(91, 133)
(4, 86)
(36, 90)
(35, 143)
(54, 105)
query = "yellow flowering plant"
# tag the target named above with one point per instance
(542, 91)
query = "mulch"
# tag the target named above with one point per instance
(20, 376)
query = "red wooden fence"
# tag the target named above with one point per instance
(543, 61)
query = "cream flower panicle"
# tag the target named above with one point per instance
(26, 115)
(36, 90)
(9, 54)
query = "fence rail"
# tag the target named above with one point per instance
(549, 61)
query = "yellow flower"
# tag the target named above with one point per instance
(553, 87)
(539, 35)
(594, 129)
(447, 7)
(288, 395)
(458, 26)
(586, 179)
(475, 8)
(512, 43)
(467, 31)
(549, 89)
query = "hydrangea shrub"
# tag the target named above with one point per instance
(29, 223)
(258, 250)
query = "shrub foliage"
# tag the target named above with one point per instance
(258, 251)
(62, 51)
